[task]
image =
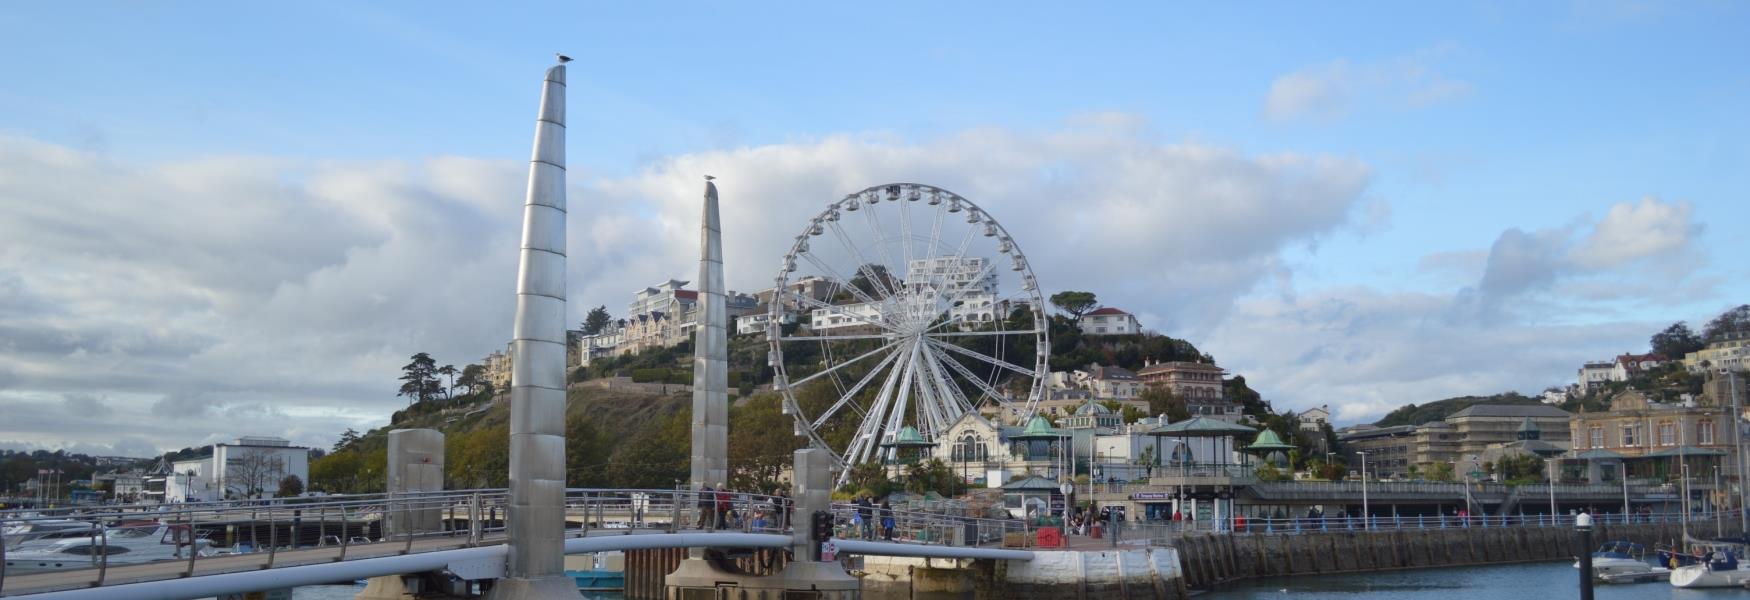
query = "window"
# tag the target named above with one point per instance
(1704, 432)
(1596, 434)
(1667, 434)
(1630, 437)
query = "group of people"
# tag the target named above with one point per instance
(723, 508)
(868, 515)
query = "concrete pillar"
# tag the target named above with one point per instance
(536, 515)
(416, 464)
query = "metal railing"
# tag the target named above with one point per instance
(1164, 533)
(855, 522)
(87, 547)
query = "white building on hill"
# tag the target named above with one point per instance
(250, 468)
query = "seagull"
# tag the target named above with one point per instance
(708, 178)
(562, 58)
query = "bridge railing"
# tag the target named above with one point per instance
(86, 548)
(1165, 533)
(923, 527)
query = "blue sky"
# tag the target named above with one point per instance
(1469, 120)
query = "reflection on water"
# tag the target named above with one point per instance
(1537, 581)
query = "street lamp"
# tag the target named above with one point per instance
(1068, 490)
(1551, 464)
(1363, 488)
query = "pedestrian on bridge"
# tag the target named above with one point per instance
(723, 499)
(707, 506)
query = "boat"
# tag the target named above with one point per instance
(604, 572)
(1718, 568)
(16, 533)
(1619, 557)
(119, 546)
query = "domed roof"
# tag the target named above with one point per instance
(1268, 440)
(1092, 408)
(1038, 427)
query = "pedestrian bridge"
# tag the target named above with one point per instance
(148, 551)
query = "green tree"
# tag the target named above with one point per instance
(1734, 321)
(1440, 471)
(1075, 303)
(450, 372)
(419, 379)
(1676, 341)
(933, 475)
(597, 320)
(290, 487)
(346, 439)
(472, 378)
(1164, 401)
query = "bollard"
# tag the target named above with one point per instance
(1583, 522)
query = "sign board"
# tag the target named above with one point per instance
(1152, 495)
(829, 551)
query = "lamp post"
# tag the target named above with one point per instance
(1583, 522)
(1551, 464)
(1069, 490)
(1713, 503)
(1363, 488)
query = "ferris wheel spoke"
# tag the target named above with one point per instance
(961, 405)
(905, 226)
(874, 223)
(876, 280)
(944, 334)
(842, 365)
(986, 358)
(947, 308)
(965, 373)
(838, 281)
(803, 299)
(837, 338)
(869, 430)
(845, 399)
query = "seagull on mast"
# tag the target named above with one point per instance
(562, 58)
(708, 178)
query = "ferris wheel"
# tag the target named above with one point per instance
(898, 310)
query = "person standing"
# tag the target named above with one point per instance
(707, 507)
(786, 509)
(866, 510)
(722, 504)
(886, 520)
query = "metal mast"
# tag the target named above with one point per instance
(535, 568)
(710, 460)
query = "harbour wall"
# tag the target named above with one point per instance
(1129, 574)
(1208, 560)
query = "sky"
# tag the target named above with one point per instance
(223, 220)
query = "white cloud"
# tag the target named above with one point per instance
(1330, 91)
(207, 299)
(1542, 302)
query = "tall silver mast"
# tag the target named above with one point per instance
(537, 385)
(711, 355)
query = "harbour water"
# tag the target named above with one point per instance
(1535, 581)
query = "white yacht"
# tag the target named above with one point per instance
(119, 546)
(1618, 558)
(15, 533)
(1717, 568)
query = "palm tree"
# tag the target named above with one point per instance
(450, 371)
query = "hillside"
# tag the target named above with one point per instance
(1417, 414)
